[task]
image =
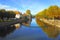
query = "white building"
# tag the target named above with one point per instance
(17, 16)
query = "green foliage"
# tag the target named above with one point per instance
(6, 14)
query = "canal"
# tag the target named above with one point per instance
(17, 32)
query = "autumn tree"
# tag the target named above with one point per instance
(50, 13)
(53, 11)
(28, 12)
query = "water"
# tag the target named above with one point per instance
(34, 32)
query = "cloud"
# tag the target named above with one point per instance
(7, 7)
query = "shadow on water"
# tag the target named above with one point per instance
(6, 30)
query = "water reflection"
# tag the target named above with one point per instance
(6, 30)
(9, 29)
(17, 25)
(27, 33)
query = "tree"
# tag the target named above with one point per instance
(51, 12)
(6, 14)
(28, 12)
(2, 12)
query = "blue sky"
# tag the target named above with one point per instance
(22, 5)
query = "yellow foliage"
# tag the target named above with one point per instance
(39, 22)
(50, 30)
(17, 12)
(28, 12)
(51, 12)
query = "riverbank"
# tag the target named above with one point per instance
(51, 27)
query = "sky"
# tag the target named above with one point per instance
(22, 5)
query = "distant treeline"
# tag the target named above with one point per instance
(7, 14)
(11, 14)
